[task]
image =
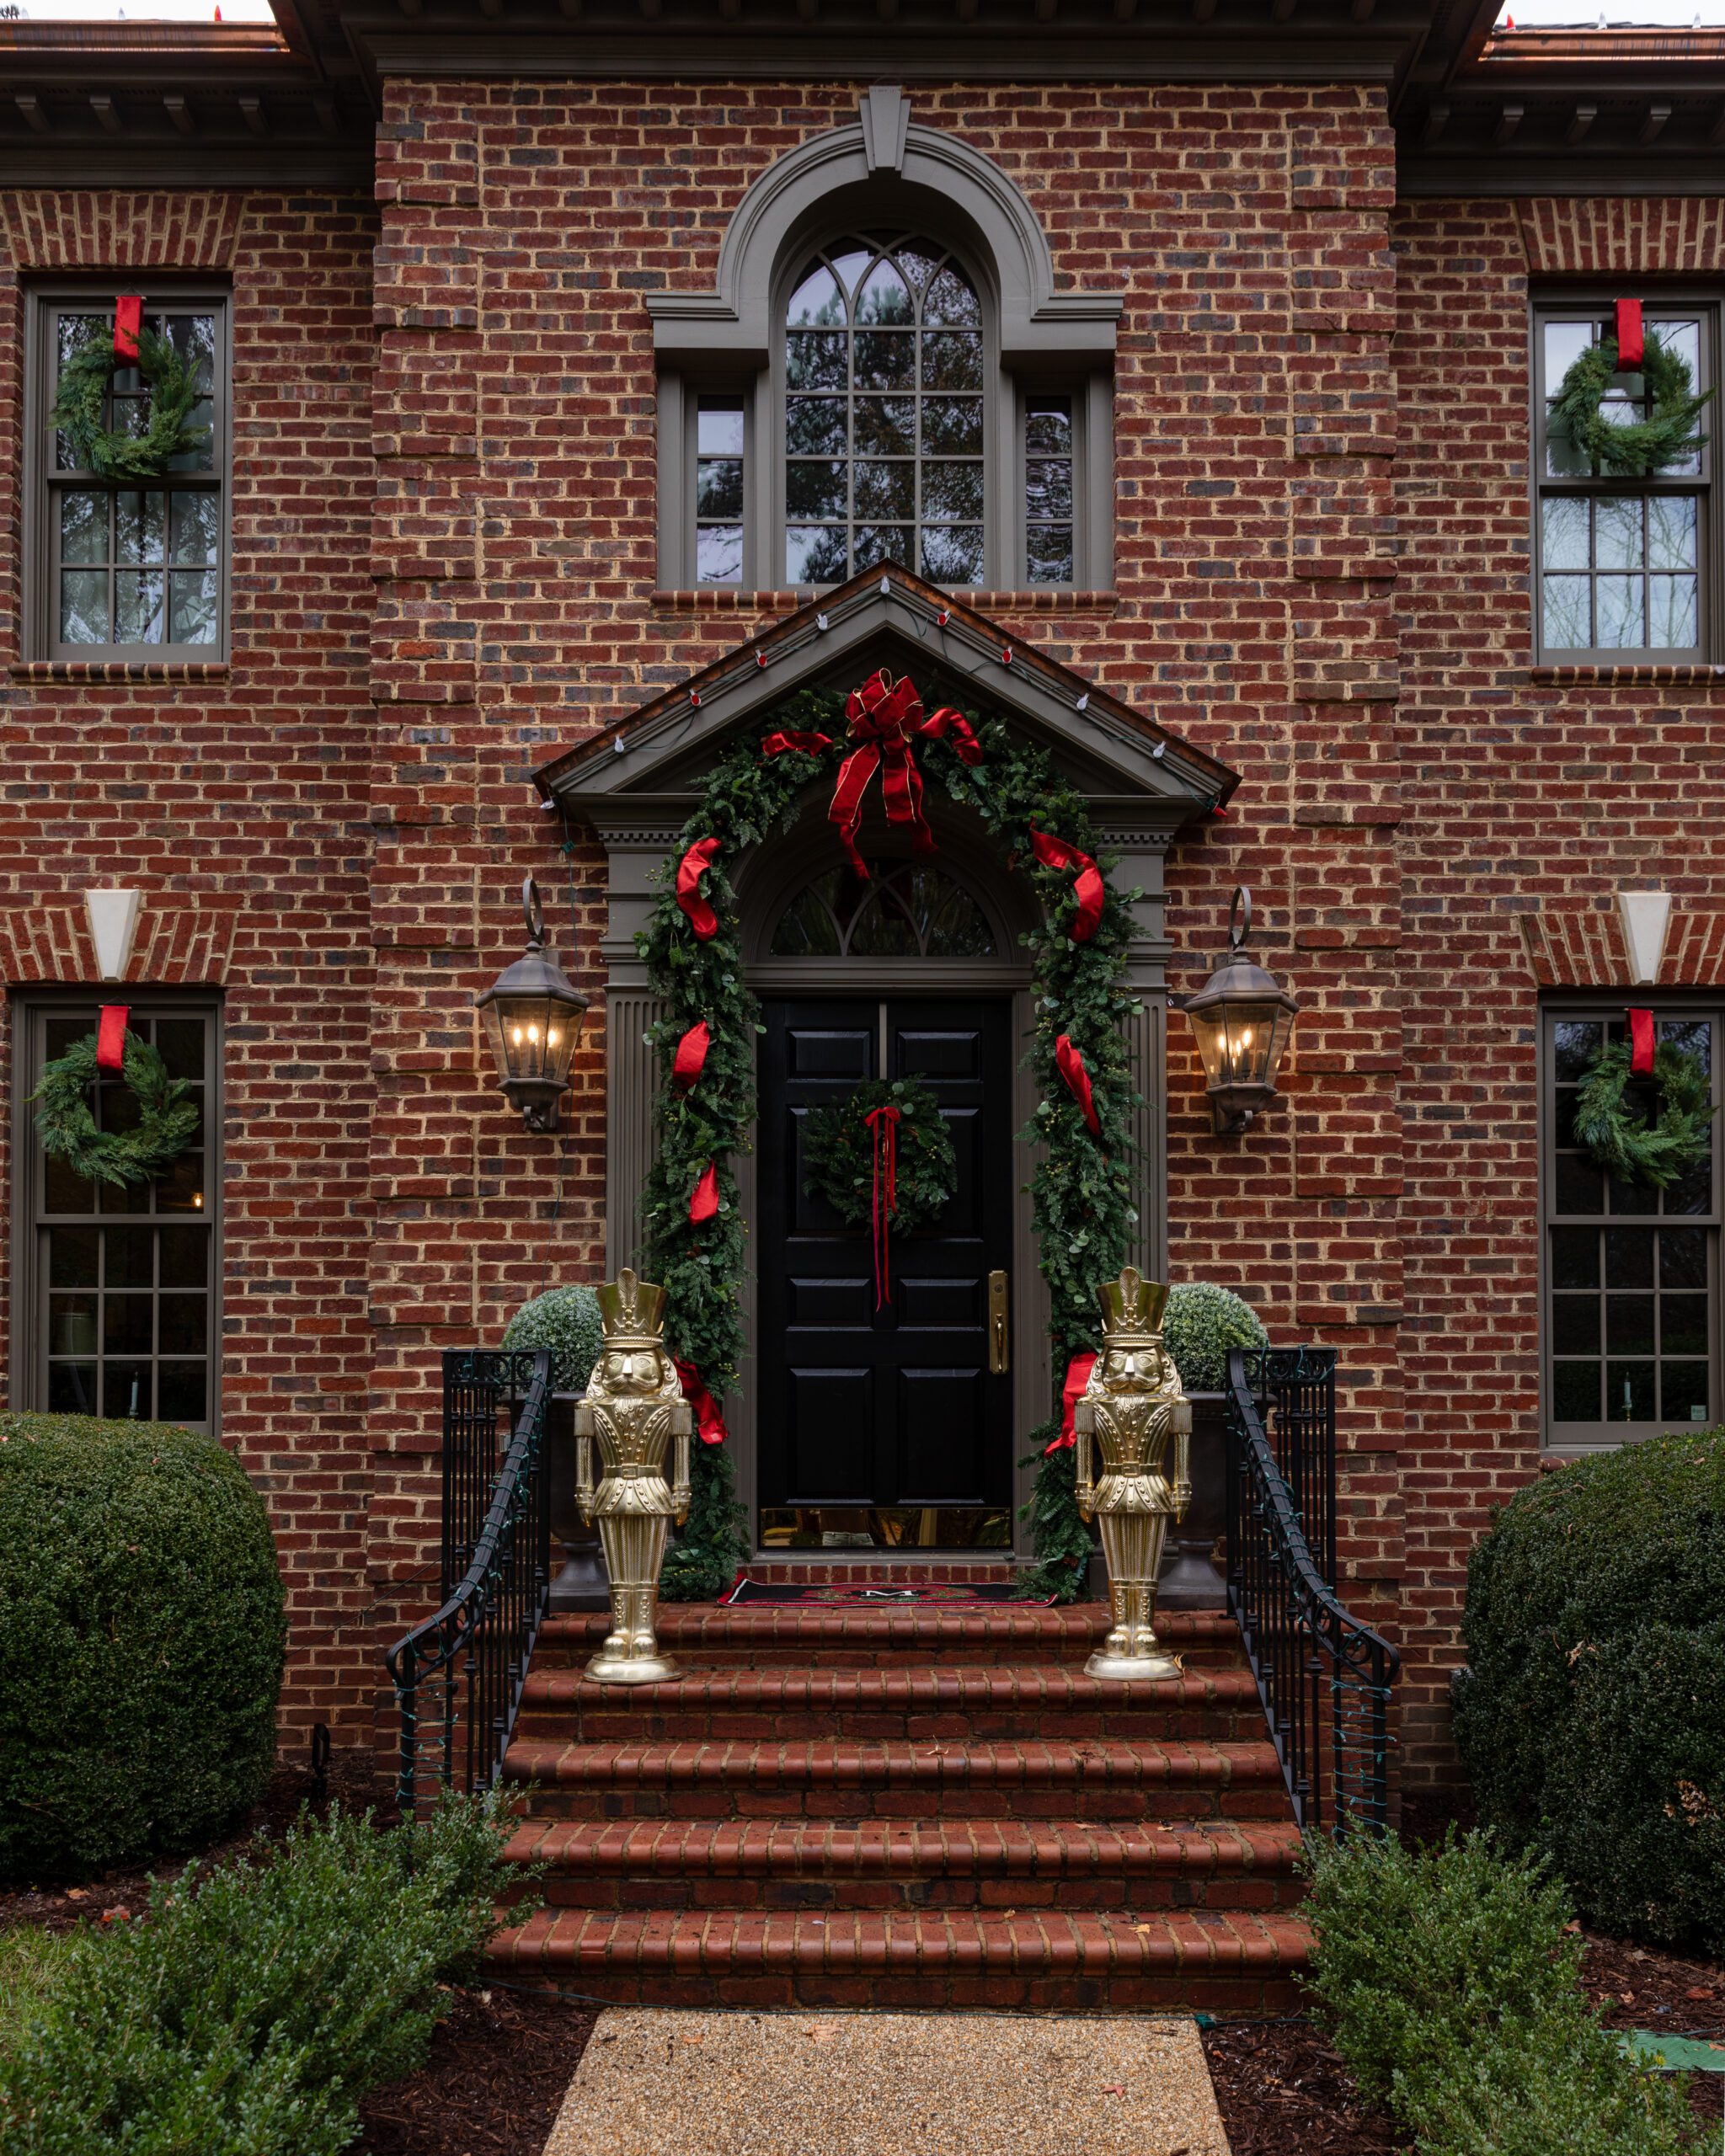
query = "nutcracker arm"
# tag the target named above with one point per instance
(584, 1459)
(682, 1421)
(1084, 1426)
(1180, 1425)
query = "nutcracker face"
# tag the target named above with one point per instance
(1136, 1369)
(633, 1374)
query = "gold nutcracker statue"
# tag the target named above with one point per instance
(634, 1405)
(1129, 1410)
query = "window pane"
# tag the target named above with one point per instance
(816, 426)
(1565, 627)
(815, 362)
(83, 606)
(1049, 553)
(718, 553)
(1683, 1258)
(886, 426)
(1629, 1257)
(1683, 1392)
(951, 301)
(951, 426)
(952, 553)
(126, 1391)
(129, 1257)
(1575, 1042)
(1629, 1392)
(1580, 1186)
(1576, 1392)
(71, 1257)
(140, 527)
(817, 303)
(718, 427)
(806, 929)
(1622, 624)
(1048, 490)
(1565, 343)
(885, 297)
(1671, 531)
(184, 1392)
(72, 1324)
(63, 1191)
(1629, 1325)
(126, 1324)
(138, 606)
(1671, 602)
(877, 543)
(72, 1389)
(185, 1256)
(180, 1187)
(1575, 1325)
(814, 555)
(1048, 430)
(181, 1324)
(191, 597)
(83, 527)
(952, 361)
(952, 490)
(886, 490)
(718, 487)
(1564, 533)
(887, 360)
(814, 490)
(1683, 1324)
(1617, 533)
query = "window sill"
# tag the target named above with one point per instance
(116, 672)
(1037, 598)
(1676, 673)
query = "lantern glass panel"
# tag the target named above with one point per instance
(536, 1036)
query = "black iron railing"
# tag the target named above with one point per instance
(458, 1675)
(1323, 1677)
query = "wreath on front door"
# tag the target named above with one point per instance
(1644, 446)
(840, 1150)
(167, 1120)
(1630, 1147)
(81, 402)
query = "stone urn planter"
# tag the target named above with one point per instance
(581, 1584)
(1189, 1578)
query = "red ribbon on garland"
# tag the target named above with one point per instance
(1056, 853)
(1640, 1044)
(709, 1423)
(703, 1199)
(110, 1037)
(1632, 338)
(885, 718)
(691, 1058)
(1070, 1062)
(128, 321)
(693, 866)
(1078, 1377)
(884, 1122)
(805, 745)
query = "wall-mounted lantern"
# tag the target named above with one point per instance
(1243, 1019)
(534, 1017)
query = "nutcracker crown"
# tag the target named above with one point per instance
(1132, 1306)
(631, 1310)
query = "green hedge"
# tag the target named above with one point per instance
(1451, 1988)
(1578, 1601)
(248, 2016)
(141, 1628)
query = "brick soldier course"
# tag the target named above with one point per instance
(441, 232)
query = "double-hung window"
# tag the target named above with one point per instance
(1623, 567)
(1631, 1274)
(138, 570)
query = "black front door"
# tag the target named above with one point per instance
(863, 1410)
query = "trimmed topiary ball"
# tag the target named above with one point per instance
(1200, 1325)
(1586, 1574)
(141, 1630)
(566, 1321)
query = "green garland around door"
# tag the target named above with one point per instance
(1081, 1185)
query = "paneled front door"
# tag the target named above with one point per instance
(884, 1426)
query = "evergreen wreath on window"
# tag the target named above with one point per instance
(168, 1121)
(839, 1147)
(82, 398)
(1642, 447)
(1628, 1147)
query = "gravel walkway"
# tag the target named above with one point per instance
(656, 2082)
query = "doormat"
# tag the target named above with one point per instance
(946, 1594)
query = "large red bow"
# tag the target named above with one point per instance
(1056, 853)
(693, 866)
(1070, 1062)
(709, 1423)
(885, 718)
(1078, 1377)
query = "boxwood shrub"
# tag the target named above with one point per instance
(1591, 1605)
(141, 1628)
(566, 1321)
(1201, 1323)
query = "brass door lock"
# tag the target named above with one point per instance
(999, 1352)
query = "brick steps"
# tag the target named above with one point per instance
(762, 1635)
(964, 1779)
(1003, 1865)
(1233, 1962)
(991, 1700)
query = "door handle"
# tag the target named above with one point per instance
(999, 1354)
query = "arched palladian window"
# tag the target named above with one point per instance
(912, 910)
(884, 369)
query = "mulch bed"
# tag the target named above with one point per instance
(493, 2084)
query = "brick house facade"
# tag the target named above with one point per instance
(445, 569)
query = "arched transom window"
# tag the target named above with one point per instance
(912, 910)
(884, 418)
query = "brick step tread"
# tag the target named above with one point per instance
(976, 1849)
(953, 1687)
(915, 1943)
(952, 1763)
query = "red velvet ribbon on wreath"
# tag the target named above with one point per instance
(691, 1058)
(805, 745)
(1070, 1062)
(709, 1423)
(693, 866)
(885, 718)
(703, 1199)
(1078, 1377)
(1632, 337)
(110, 1037)
(1056, 853)
(128, 321)
(884, 1122)
(1640, 1044)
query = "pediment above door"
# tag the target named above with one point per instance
(647, 767)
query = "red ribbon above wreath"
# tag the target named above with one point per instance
(1078, 1377)
(703, 1199)
(1640, 1044)
(1632, 338)
(128, 321)
(691, 1058)
(709, 1423)
(884, 1122)
(804, 744)
(1070, 1062)
(110, 1037)
(885, 718)
(1056, 853)
(693, 866)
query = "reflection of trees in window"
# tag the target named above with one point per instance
(884, 421)
(911, 911)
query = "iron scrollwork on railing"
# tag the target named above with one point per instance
(1323, 1677)
(458, 1675)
